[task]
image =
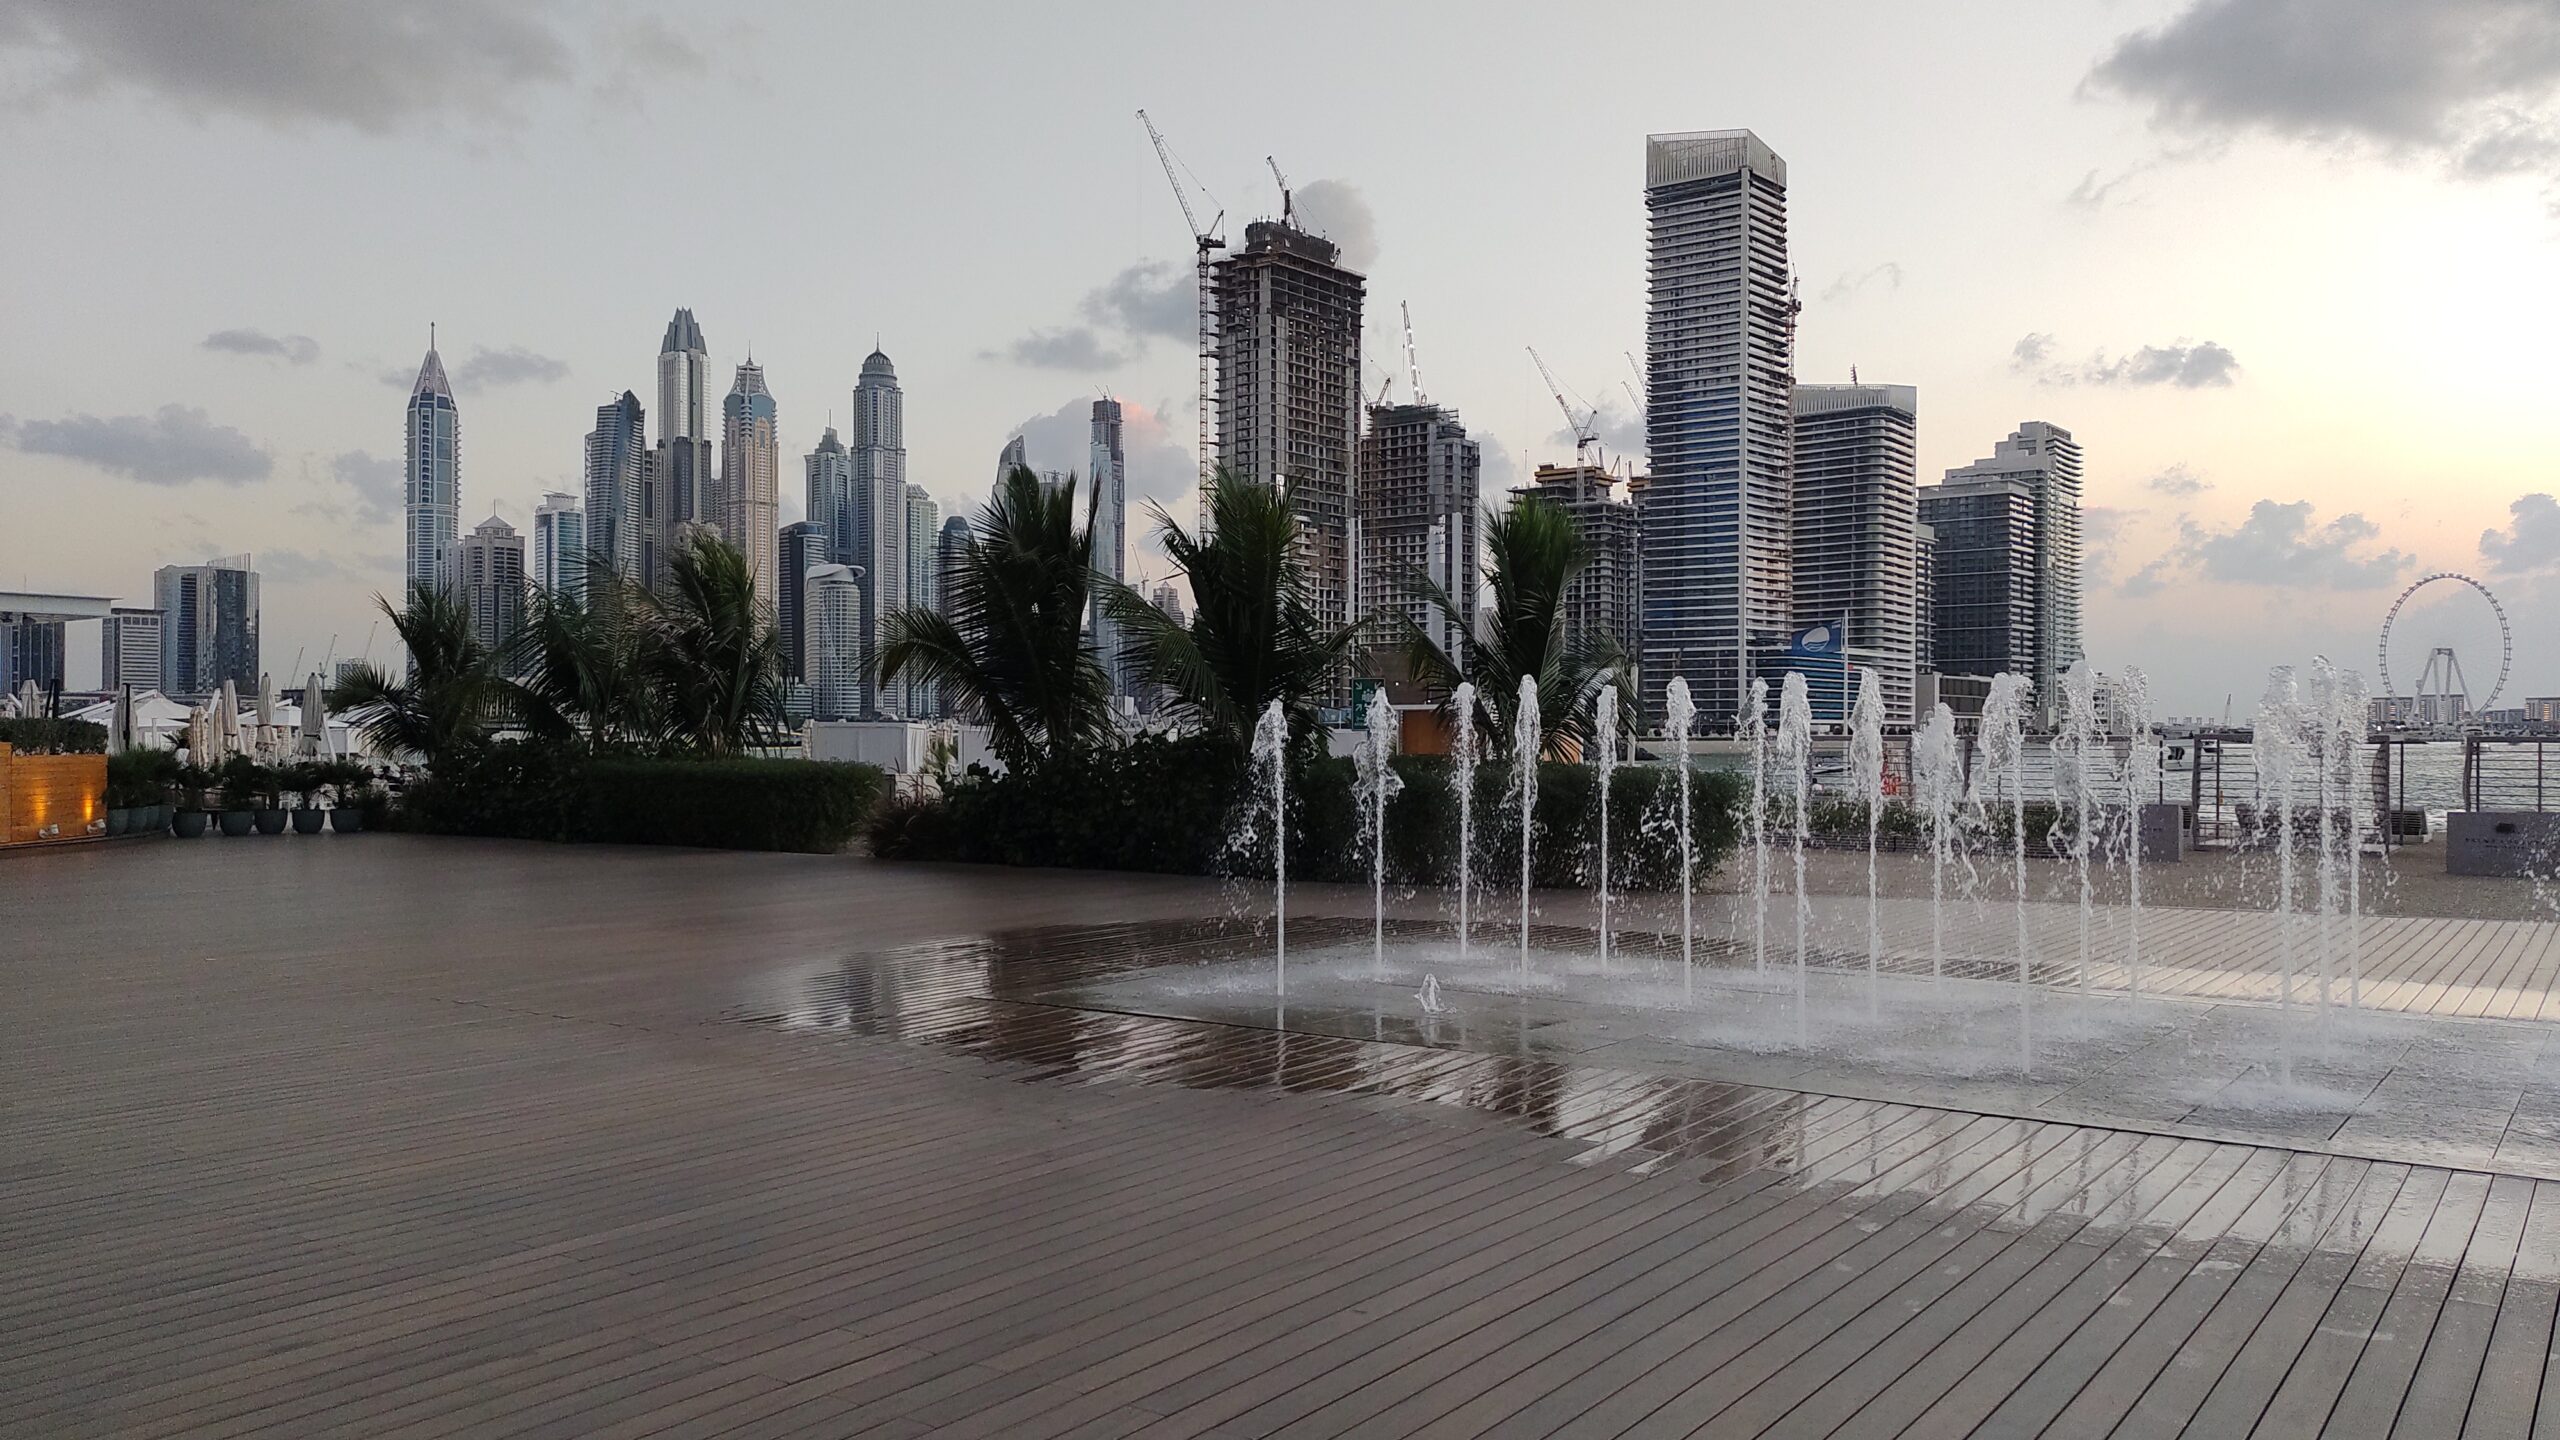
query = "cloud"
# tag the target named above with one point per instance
(2531, 540)
(173, 446)
(1150, 298)
(379, 487)
(489, 369)
(291, 63)
(1619, 429)
(2279, 545)
(1890, 272)
(2102, 532)
(1336, 210)
(2470, 84)
(2151, 579)
(1162, 468)
(297, 567)
(1076, 347)
(293, 349)
(2185, 366)
(2179, 480)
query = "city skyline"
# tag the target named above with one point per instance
(2271, 433)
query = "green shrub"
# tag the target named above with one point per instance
(529, 791)
(143, 775)
(1174, 806)
(40, 736)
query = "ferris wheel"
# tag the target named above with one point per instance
(2443, 673)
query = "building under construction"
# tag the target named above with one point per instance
(1607, 597)
(1287, 327)
(1419, 516)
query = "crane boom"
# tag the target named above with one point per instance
(1412, 366)
(1284, 187)
(1204, 244)
(1181, 197)
(1586, 430)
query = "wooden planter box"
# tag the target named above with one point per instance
(50, 799)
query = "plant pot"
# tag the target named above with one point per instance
(191, 823)
(346, 819)
(161, 815)
(236, 823)
(308, 821)
(272, 822)
(119, 819)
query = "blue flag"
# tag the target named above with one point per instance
(1816, 642)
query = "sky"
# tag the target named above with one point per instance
(2289, 269)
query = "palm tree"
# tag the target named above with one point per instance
(578, 663)
(451, 694)
(1254, 636)
(712, 658)
(1007, 648)
(1535, 551)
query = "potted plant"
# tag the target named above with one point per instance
(126, 779)
(238, 796)
(351, 782)
(305, 780)
(266, 793)
(194, 784)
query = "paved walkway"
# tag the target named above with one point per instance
(392, 1136)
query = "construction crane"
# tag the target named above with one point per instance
(1412, 366)
(1635, 392)
(1284, 187)
(1585, 428)
(1206, 242)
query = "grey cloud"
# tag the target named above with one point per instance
(2151, 579)
(1620, 431)
(1076, 347)
(294, 349)
(287, 63)
(298, 567)
(2102, 531)
(2531, 539)
(2470, 83)
(379, 488)
(1336, 210)
(2279, 545)
(492, 369)
(1162, 468)
(1890, 273)
(2179, 480)
(2201, 365)
(1150, 298)
(172, 446)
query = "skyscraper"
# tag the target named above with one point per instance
(1107, 465)
(924, 579)
(490, 578)
(1419, 509)
(1288, 393)
(1604, 599)
(679, 486)
(129, 649)
(832, 646)
(830, 478)
(1014, 456)
(31, 650)
(1719, 331)
(616, 473)
(2044, 461)
(1924, 599)
(878, 454)
(1983, 611)
(750, 477)
(802, 544)
(948, 550)
(560, 546)
(1856, 517)
(432, 474)
(209, 625)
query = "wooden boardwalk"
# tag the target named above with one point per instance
(431, 1138)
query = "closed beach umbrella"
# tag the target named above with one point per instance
(315, 718)
(226, 720)
(120, 728)
(199, 735)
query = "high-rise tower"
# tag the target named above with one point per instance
(209, 626)
(1107, 466)
(680, 488)
(1857, 519)
(2014, 519)
(829, 472)
(432, 476)
(617, 466)
(1419, 505)
(1289, 393)
(560, 546)
(750, 477)
(489, 576)
(878, 455)
(1719, 329)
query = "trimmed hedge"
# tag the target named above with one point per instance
(41, 736)
(1173, 806)
(534, 792)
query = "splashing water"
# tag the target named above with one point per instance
(1795, 752)
(2349, 716)
(1271, 758)
(1867, 782)
(1678, 714)
(1998, 770)
(1376, 783)
(1938, 773)
(2080, 732)
(2328, 748)
(1462, 706)
(2142, 782)
(1528, 739)
(1429, 995)
(1604, 740)
(2275, 743)
(1755, 734)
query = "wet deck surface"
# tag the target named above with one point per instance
(406, 1137)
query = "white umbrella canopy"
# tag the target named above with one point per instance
(315, 718)
(199, 736)
(120, 727)
(266, 698)
(226, 720)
